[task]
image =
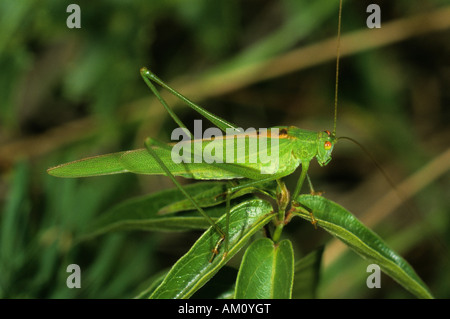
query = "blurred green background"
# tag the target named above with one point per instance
(70, 93)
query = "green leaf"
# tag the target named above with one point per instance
(306, 275)
(142, 213)
(194, 269)
(346, 227)
(267, 271)
(214, 193)
(211, 194)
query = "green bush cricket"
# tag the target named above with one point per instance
(205, 157)
(295, 147)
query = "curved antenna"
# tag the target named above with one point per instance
(375, 162)
(380, 168)
(405, 201)
(338, 49)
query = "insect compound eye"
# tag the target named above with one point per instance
(328, 132)
(327, 145)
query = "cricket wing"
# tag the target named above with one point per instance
(91, 166)
(140, 162)
(253, 156)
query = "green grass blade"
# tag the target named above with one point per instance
(267, 271)
(193, 270)
(13, 225)
(342, 224)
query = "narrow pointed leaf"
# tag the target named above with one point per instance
(142, 213)
(194, 269)
(267, 271)
(346, 227)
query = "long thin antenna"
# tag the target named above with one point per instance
(338, 51)
(375, 162)
(403, 198)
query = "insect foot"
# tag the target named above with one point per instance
(297, 204)
(215, 250)
(313, 220)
